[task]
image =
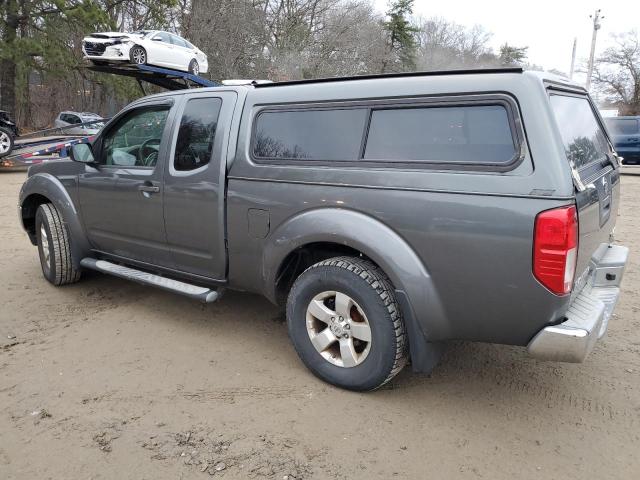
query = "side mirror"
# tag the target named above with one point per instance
(83, 153)
(156, 39)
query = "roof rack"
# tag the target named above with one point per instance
(392, 75)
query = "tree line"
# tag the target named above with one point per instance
(42, 70)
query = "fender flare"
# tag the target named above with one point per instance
(377, 241)
(46, 185)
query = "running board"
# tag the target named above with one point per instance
(203, 294)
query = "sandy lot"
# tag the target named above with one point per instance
(107, 379)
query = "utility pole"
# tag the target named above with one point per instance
(596, 26)
(573, 58)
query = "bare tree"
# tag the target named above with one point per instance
(350, 42)
(444, 45)
(617, 73)
(287, 39)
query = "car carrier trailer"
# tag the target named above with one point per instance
(52, 144)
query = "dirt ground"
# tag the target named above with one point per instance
(107, 379)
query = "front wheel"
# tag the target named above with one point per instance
(138, 55)
(346, 325)
(6, 142)
(54, 247)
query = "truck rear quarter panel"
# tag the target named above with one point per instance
(471, 231)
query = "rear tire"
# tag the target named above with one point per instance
(194, 68)
(54, 247)
(6, 142)
(346, 325)
(138, 55)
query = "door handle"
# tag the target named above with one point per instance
(147, 188)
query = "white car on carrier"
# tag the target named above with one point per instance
(145, 47)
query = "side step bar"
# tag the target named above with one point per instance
(203, 294)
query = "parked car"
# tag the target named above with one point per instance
(8, 132)
(152, 47)
(67, 120)
(388, 213)
(625, 133)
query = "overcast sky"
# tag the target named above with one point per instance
(546, 27)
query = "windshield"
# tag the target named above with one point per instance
(583, 138)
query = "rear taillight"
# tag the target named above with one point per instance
(555, 249)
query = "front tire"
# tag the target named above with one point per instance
(346, 325)
(54, 247)
(6, 142)
(138, 55)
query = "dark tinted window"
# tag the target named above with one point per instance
(197, 133)
(584, 141)
(310, 134)
(464, 134)
(623, 126)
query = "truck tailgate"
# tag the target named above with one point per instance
(590, 155)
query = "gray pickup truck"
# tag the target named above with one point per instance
(389, 213)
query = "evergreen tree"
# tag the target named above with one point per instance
(402, 35)
(46, 35)
(513, 56)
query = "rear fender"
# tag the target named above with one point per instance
(375, 240)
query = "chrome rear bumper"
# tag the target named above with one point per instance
(589, 313)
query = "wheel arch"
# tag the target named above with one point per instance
(45, 188)
(347, 231)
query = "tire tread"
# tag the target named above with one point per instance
(65, 273)
(380, 283)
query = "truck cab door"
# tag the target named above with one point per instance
(121, 199)
(194, 184)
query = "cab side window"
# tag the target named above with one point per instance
(197, 132)
(135, 140)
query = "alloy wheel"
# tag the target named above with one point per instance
(44, 240)
(139, 56)
(338, 329)
(5, 142)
